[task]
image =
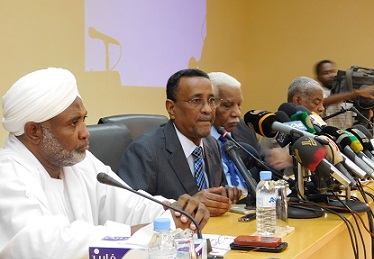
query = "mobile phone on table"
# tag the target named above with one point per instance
(257, 241)
(277, 249)
(248, 217)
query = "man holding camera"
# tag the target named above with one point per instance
(338, 102)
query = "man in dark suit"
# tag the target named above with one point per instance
(228, 116)
(162, 161)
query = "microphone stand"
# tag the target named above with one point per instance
(106, 179)
(259, 162)
(230, 150)
(359, 114)
(352, 109)
(296, 209)
(336, 113)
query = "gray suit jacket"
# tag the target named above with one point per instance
(155, 162)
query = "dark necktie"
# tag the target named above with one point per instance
(198, 168)
(230, 164)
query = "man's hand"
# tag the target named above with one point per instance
(215, 199)
(279, 158)
(366, 92)
(233, 193)
(192, 206)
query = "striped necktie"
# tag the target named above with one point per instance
(198, 168)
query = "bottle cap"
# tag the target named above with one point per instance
(161, 224)
(265, 175)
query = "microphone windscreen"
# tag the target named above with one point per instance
(337, 135)
(364, 140)
(261, 121)
(302, 108)
(332, 151)
(364, 130)
(248, 160)
(282, 138)
(222, 131)
(288, 108)
(282, 116)
(304, 117)
(308, 152)
(355, 143)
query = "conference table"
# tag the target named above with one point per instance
(322, 237)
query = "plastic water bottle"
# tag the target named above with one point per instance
(162, 244)
(265, 205)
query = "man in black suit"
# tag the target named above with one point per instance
(228, 116)
(161, 161)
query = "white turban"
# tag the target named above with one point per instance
(38, 97)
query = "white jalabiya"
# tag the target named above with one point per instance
(41, 217)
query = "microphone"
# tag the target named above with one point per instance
(335, 157)
(344, 142)
(364, 130)
(230, 150)
(282, 138)
(348, 139)
(259, 163)
(317, 121)
(310, 118)
(107, 179)
(305, 119)
(292, 109)
(359, 114)
(266, 124)
(94, 34)
(365, 142)
(335, 114)
(355, 169)
(311, 154)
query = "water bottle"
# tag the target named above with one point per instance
(265, 205)
(281, 204)
(162, 244)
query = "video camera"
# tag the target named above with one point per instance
(356, 78)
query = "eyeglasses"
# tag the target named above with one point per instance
(213, 102)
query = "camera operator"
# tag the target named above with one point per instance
(338, 102)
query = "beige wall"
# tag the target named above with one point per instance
(264, 44)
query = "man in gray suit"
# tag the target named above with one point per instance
(162, 162)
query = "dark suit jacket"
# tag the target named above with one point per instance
(242, 133)
(155, 163)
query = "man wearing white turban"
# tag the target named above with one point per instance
(51, 205)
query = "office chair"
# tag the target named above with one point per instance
(137, 124)
(108, 141)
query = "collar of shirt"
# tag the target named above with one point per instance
(187, 145)
(215, 133)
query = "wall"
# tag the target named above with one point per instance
(264, 44)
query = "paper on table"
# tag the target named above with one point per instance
(220, 243)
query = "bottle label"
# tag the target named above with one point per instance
(265, 201)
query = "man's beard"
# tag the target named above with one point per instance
(55, 152)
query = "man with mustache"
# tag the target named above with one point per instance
(161, 162)
(228, 116)
(51, 205)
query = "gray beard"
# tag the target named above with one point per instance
(55, 152)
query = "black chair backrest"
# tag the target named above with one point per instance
(138, 124)
(108, 142)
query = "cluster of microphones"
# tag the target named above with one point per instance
(346, 155)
